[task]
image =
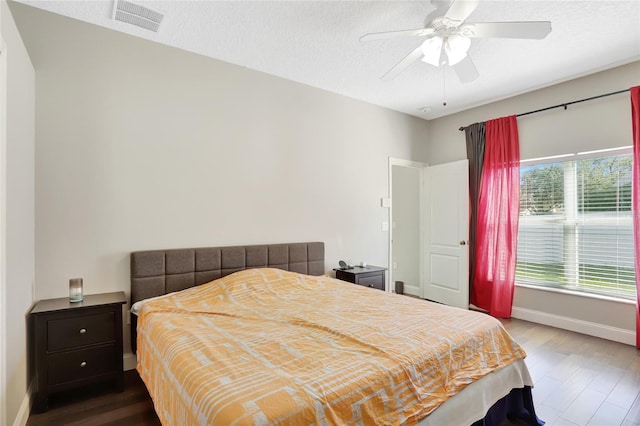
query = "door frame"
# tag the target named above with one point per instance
(416, 165)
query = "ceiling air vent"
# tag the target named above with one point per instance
(135, 14)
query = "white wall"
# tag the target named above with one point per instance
(18, 257)
(597, 124)
(592, 125)
(142, 146)
(406, 227)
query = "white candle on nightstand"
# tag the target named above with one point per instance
(75, 290)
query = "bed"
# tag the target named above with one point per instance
(260, 335)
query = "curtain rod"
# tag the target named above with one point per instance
(566, 104)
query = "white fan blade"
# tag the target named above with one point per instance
(461, 9)
(422, 32)
(531, 29)
(466, 70)
(403, 64)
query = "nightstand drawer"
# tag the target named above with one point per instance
(80, 331)
(376, 281)
(76, 365)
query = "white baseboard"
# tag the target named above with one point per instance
(585, 327)
(24, 410)
(412, 290)
(129, 361)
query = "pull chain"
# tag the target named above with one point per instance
(444, 86)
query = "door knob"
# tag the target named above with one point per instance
(463, 243)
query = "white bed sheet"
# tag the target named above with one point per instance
(472, 403)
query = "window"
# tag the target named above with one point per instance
(575, 228)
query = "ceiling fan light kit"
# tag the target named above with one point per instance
(431, 49)
(456, 48)
(447, 33)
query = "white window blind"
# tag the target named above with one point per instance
(575, 228)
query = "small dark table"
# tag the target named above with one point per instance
(76, 344)
(368, 276)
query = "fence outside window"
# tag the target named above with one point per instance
(575, 226)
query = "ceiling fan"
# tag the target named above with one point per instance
(449, 33)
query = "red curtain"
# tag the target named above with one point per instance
(635, 196)
(498, 211)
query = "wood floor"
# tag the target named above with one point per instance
(100, 406)
(579, 380)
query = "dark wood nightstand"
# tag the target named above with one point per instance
(76, 344)
(368, 276)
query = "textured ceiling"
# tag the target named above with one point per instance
(316, 43)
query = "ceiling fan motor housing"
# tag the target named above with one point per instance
(443, 26)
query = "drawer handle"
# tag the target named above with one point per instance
(83, 364)
(83, 330)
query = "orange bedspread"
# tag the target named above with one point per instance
(266, 346)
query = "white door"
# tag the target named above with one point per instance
(446, 231)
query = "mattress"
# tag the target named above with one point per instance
(267, 346)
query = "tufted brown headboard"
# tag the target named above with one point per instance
(158, 272)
